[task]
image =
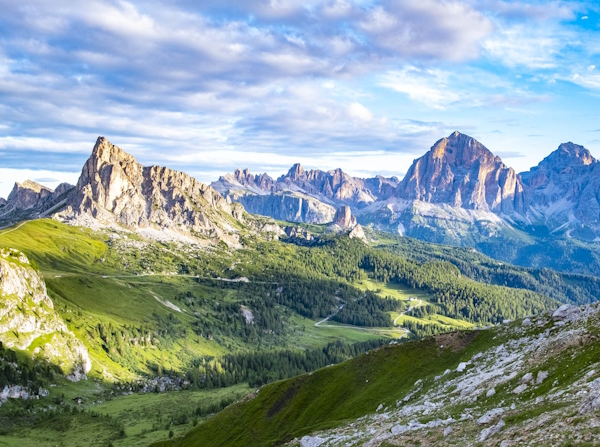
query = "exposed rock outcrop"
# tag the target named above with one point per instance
(461, 172)
(288, 206)
(28, 195)
(115, 189)
(382, 187)
(242, 180)
(344, 218)
(28, 321)
(29, 200)
(565, 189)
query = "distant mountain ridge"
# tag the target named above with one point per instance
(458, 189)
(311, 196)
(457, 193)
(115, 190)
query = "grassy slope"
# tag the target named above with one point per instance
(328, 397)
(145, 418)
(59, 248)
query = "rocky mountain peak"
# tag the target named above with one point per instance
(115, 189)
(560, 168)
(27, 195)
(32, 186)
(296, 171)
(106, 152)
(460, 149)
(462, 172)
(570, 154)
(243, 176)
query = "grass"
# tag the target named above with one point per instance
(145, 418)
(57, 247)
(327, 398)
(393, 290)
(307, 335)
(141, 414)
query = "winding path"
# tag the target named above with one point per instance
(13, 229)
(407, 310)
(404, 331)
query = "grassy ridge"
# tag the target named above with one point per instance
(56, 247)
(329, 397)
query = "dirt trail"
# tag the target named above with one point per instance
(407, 310)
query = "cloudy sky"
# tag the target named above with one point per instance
(363, 85)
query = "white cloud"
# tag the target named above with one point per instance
(591, 81)
(357, 111)
(591, 68)
(521, 46)
(429, 87)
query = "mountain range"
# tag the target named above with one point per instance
(457, 178)
(115, 190)
(457, 193)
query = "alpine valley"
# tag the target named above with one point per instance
(455, 306)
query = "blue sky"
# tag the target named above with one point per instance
(363, 85)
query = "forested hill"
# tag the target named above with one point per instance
(564, 287)
(454, 294)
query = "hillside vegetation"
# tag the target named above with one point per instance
(168, 317)
(535, 381)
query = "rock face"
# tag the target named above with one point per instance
(565, 189)
(303, 196)
(29, 200)
(461, 172)
(28, 195)
(381, 187)
(288, 206)
(115, 189)
(344, 218)
(28, 321)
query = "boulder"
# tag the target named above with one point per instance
(566, 312)
(311, 441)
(491, 431)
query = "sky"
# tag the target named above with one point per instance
(364, 85)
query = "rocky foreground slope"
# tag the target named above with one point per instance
(538, 383)
(534, 382)
(28, 321)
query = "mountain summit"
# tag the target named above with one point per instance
(462, 172)
(115, 189)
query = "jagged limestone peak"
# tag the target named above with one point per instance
(296, 171)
